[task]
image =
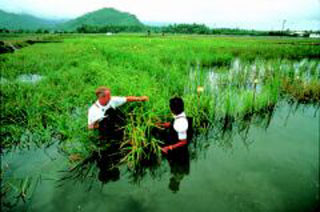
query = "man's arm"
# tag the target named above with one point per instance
(118, 101)
(137, 98)
(180, 143)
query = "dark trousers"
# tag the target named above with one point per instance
(112, 127)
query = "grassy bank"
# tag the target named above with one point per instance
(239, 76)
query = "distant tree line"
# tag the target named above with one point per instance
(226, 31)
(170, 29)
(110, 28)
(183, 29)
(19, 31)
(175, 28)
(187, 29)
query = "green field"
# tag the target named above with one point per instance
(240, 76)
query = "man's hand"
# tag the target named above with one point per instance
(144, 98)
(93, 126)
(164, 125)
(166, 149)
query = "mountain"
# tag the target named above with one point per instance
(22, 21)
(102, 17)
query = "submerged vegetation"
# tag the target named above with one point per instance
(221, 79)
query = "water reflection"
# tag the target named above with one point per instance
(105, 165)
(179, 162)
(224, 131)
(221, 134)
(108, 166)
(100, 165)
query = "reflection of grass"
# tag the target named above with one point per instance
(302, 91)
(15, 191)
(55, 108)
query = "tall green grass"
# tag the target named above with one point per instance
(238, 76)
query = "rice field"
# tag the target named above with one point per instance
(232, 87)
(47, 88)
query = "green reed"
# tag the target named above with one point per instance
(236, 76)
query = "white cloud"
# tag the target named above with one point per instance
(259, 14)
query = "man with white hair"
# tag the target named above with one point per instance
(104, 108)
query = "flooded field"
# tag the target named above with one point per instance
(255, 112)
(267, 163)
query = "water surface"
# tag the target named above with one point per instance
(264, 163)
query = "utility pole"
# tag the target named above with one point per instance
(283, 24)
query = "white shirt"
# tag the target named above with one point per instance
(97, 111)
(180, 125)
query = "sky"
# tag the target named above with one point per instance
(247, 14)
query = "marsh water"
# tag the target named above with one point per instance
(268, 162)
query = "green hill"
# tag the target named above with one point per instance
(102, 17)
(22, 21)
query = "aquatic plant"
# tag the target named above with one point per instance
(237, 76)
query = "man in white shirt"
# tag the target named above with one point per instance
(105, 102)
(179, 128)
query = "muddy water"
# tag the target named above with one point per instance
(267, 163)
